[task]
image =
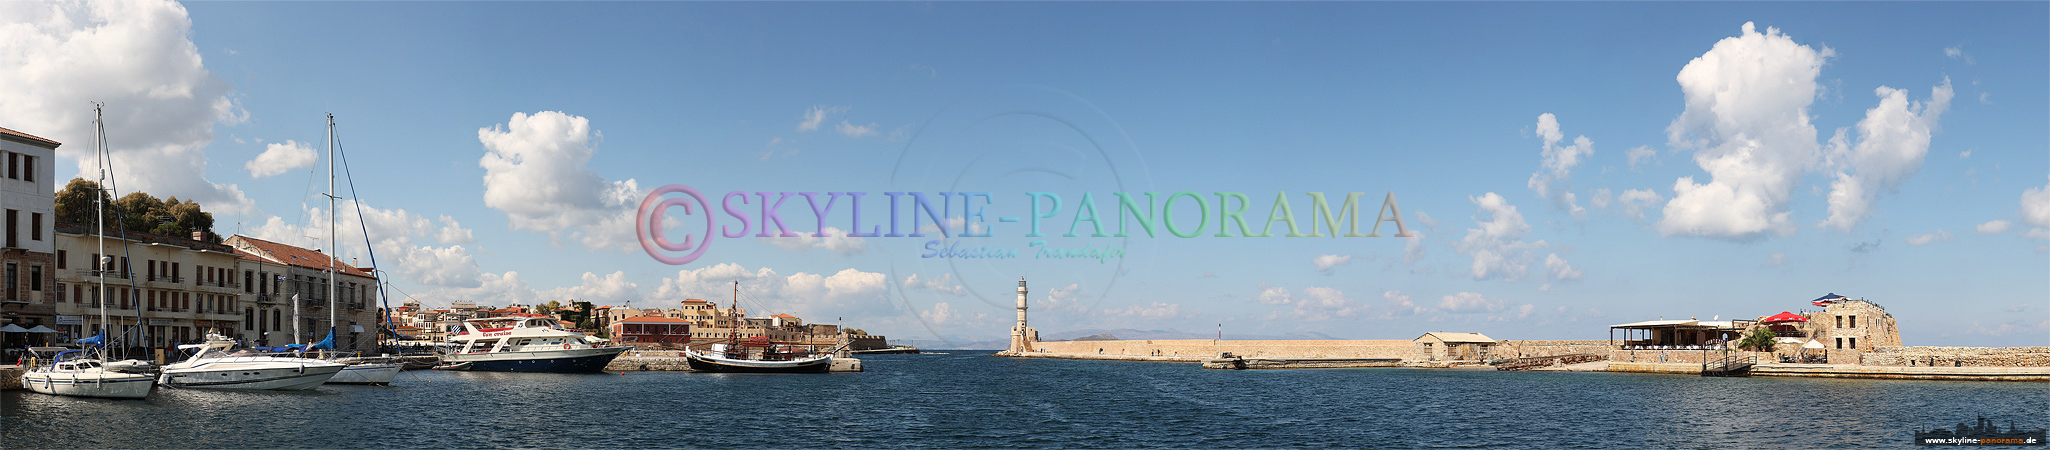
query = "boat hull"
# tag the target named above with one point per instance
(115, 385)
(583, 360)
(217, 376)
(705, 364)
(379, 374)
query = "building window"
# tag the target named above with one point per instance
(248, 282)
(60, 260)
(1839, 322)
(35, 278)
(248, 319)
(13, 274)
(60, 293)
(1854, 324)
(1854, 343)
(13, 228)
(14, 165)
(28, 168)
(35, 226)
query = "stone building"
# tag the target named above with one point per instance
(274, 273)
(1845, 328)
(1443, 346)
(177, 287)
(28, 197)
(651, 332)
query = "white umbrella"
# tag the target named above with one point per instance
(12, 328)
(1788, 340)
(42, 329)
(1812, 344)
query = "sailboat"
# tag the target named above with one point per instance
(85, 374)
(734, 355)
(359, 370)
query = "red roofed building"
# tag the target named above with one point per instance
(650, 331)
(273, 273)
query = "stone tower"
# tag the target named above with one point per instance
(1022, 336)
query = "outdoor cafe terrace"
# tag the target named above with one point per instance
(1689, 334)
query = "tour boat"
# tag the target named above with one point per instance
(216, 364)
(526, 343)
(69, 373)
(725, 358)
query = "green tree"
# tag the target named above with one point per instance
(75, 202)
(1760, 339)
(141, 212)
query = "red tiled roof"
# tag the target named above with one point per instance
(784, 315)
(652, 319)
(290, 255)
(29, 137)
(693, 300)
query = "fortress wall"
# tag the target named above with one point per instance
(1520, 349)
(1254, 349)
(1957, 356)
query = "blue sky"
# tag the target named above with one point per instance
(1440, 104)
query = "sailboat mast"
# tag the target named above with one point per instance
(333, 245)
(100, 219)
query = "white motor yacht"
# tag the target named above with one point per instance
(216, 364)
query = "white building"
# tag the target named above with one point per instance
(28, 198)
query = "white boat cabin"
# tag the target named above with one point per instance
(517, 334)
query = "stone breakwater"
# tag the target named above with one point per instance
(1201, 349)
(1958, 356)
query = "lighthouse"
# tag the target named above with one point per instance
(1022, 336)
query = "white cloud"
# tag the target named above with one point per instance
(394, 233)
(940, 314)
(1641, 155)
(1964, 154)
(1776, 260)
(1636, 201)
(836, 241)
(137, 57)
(1557, 164)
(1399, 305)
(1559, 268)
(1958, 52)
(816, 115)
(1747, 121)
(856, 131)
(944, 284)
(2036, 207)
(605, 290)
(1413, 249)
(1497, 247)
(1938, 236)
(1469, 303)
(1315, 304)
(1154, 311)
(491, 289)
(280, 158)
(1993, 227)
(453, 233)
(1893, 139)
(803, 294)
(535, 170)
(1325, 263)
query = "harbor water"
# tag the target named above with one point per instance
(968, 400)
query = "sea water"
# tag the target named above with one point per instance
(969, 400)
